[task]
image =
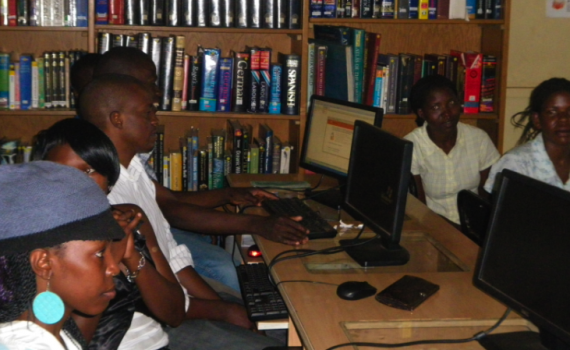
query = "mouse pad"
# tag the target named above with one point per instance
(407, 293)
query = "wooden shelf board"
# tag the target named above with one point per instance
(197, 29)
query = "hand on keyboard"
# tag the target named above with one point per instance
(281, 229)
(249, 196)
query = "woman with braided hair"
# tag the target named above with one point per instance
(55, 232)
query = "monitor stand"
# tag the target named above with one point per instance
(374, 253)
(525, 340)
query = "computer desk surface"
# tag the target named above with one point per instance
(322, 319)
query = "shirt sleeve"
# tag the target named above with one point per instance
(488, 153)
(416, 155)
(508, 161)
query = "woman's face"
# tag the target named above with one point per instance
(554, 119)
(65, 155)
(441, 111)
(82, 275)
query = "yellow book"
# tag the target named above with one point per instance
(178, 80)
(176, 171)
(423, 9)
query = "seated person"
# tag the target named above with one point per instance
(448, 156)
(128, 118)
(147, 289)
(544, 151)
(55, 255)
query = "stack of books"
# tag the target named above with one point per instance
(338, 56)
(242, 82)
(268, 14)
(407, 9)
(37, 82)
(45, 13)
(199, 165)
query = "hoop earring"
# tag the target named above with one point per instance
(48, 307)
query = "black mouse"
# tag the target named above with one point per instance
(254, 251)
(353, 290)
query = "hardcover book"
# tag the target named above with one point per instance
(339, 76)
(210, 64)
(294, 14)
(268, 14)
(320, 69)
(241, 82)
(142, 15)
(235, 140)
(246, 141)
(281, 14)
(488, 84)
(172, 12)
(215, 13)
(25, 82)
(255, 59)
(4, 79)
(387, 10)
(156, 12)
(403, 9)
(178, 78)
(265, 80)
(316, 8)
(194, 83)
(285, 164)
(202, 13)
(241, 13)
(166, 72)
(266, 133)
(225, 84)
(101, 12)
(329, 8)
(373, 47)
(291, 83)
(276, 156)
(188, 13)
(405, 81)
(255, 13)
(227, 19)
(275, 90)
(414, 9)
(311, 63)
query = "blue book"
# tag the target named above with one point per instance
(102, 12)
(82, 13)
(471, 8)
(4, 79)
(275, 93)
(209, 95)
(25, 82)
(225, 84)
(432, 9)
(316, 8)
(414, 9)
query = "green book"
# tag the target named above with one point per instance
(253, 166)
(4, 79)
(358, 47)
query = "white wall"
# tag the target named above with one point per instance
(539, 48)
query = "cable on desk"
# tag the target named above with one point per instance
(476, 336)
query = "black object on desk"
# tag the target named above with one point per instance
(262, 300)
(318, 227)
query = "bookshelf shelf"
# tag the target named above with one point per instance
(35, 112)
(224, 115)
(348, 21)
(138, 29)
(43, 29)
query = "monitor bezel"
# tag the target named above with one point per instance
(378, 118)
(504, 180)
(389, 239)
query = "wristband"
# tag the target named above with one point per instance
(131, 276)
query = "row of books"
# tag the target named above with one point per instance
(407, 9)
(37, 82)
(45, 13)
(231, 150)
(270, 14)
(243, 82)
(346, 63)
(14, 152)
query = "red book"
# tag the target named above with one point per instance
(472, 62)
(320, 69)
(443, 9)
(12, 13)
(116, 12)
(373, 48)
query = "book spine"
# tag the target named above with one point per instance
(55, 80)
(432, 9)
(414, 9)
(255, 55)
(156, 53)
(4, 79)
(285, 164)
(102, 12)
(489, 9)
(403, 9)
(355, 11)
(265, 80)
(184, 155)
(82, 9)
(166, 72)
(131, 41)
(225, 84)
(178, 78)
(366, 8)
(329, 8)
(62, 79)
(470, 8)
(116, 12)
(201, 13)
(472, 92)
(294, 14)
(185, 72)
(423, 9)
(498, 11)
(176, 171)
(316, 8)
(241, 13)
(443, 9)
(117, 40)
(209, 80)
(215, 13)
(172, 15)
(291, 78)
(348, 9)
(340, 5)
(159, 154)
(358, 63)
(35, 89)
(12, 87)
(142, 13)
(373, 44)
(25, 82)
(130, 12)
(22, 14)
(241, 82)
(166, 171)
(262, 155)
(188, 13)
(281, 14)
(156, 12)
(320, 69)
(405, 78)
(276, 156)
(378, 85)
(103, 42)
(254, 159)
(275, 93)
(245, 156)
(48, 80)
(268, 14)
(255, 13)
(12, 13)
(488, 84)
(3, 12)
(195, 169)
(227, 14)
(311, 56)
(143, 42)
(204, 169)
(392, 85)
(194, 83)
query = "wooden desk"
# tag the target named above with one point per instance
(322, 319)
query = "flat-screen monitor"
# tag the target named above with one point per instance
(328, 137)
(377, 192)
(524, 261)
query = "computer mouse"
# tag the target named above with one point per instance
(353, 290)
(254, 251)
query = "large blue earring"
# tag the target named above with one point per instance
(48, 307)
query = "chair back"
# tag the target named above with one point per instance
(474, 215)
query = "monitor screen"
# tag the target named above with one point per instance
(377, 191)
(328, 134)
(524, 260)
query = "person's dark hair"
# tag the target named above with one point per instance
(122, 60)
(537, 99)
(81, 72)
(87, 140)
(424, 87)
(17, 286)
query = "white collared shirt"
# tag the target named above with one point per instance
(25, 335)
(531, 160)
(444, 175)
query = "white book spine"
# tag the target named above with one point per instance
(12, 90)
(458, 9)
(285, 159)
(35, 85)
(4, 12)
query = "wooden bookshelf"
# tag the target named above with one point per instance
(414, 36)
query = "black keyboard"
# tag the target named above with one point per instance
(318, 227)
(262, 300)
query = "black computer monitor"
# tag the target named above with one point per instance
(524, 261)
(376, 193)
(328, 138)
